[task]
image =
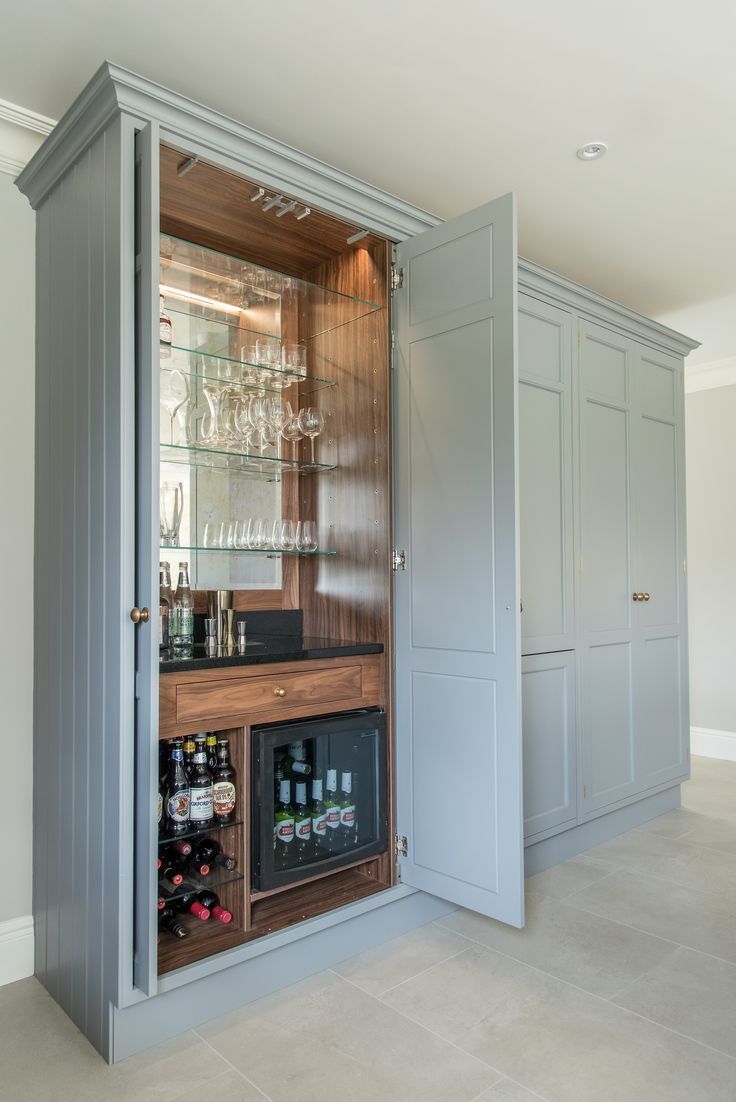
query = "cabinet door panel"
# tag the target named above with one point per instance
(545, 477)
(661, 732)
(658, 565)
(549, 741)
(608, 724)
(457, 602)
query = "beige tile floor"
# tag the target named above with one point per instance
(622, 988)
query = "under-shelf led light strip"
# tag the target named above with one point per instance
(200, 300)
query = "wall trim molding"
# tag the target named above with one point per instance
(22, 116)
(10, 165)
(16, 949)
(711, 375)
(707, 743)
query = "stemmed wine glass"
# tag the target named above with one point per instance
(174, 395)
(171, 511)
(292, 431)
(311, 422)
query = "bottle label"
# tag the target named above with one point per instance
(319, 825)
(303, 829)
(333, 817)
(347, 816)
(184, 621)
(301, 767)
(224, 797)
(165, 332)
(201, 805)
(284, 830)
(177, 806)
(160, 806)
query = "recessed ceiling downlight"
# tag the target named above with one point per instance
(592, 151)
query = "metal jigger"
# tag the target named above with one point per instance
(218, 602)
(240, 625)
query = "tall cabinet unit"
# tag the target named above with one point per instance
(359, 420)
(603, 568)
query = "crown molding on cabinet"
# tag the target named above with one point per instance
(711, 375)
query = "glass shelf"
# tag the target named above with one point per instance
(229, 288)
(196, 832)
(238, 462)
(216, 879)
(216, 367)
(246, 551)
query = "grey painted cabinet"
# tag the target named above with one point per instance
(546, 476)
(550, 742)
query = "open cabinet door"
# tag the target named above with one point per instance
(458, 756)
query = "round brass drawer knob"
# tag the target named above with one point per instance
(140, 615)
(279, 691)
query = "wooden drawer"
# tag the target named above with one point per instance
(273, 693)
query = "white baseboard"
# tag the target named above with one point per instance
(16, 949)
(713, 744)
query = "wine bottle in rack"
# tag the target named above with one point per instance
(211, 902)
(169, 920)
(284, 824)
(347, 809)
(210, 852)
(189, 903)
(332, 804)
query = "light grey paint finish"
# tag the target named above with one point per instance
(546, 477)
(660, 624)
(457, 682)
(548, 708)
(84, 655)
(711, 473)
(561, 847)
(154, 1020)
(198, 129)
(606, 537)
(147, 571)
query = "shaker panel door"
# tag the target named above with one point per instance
(606, 539)
(459, 782)
(549, 741)
(662, 722)
(545, 477)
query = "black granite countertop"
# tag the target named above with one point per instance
(264, 649)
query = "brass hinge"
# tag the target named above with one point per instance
(401, 845)
(397, 279)
(399, 560)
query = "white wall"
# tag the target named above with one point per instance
(710, 434)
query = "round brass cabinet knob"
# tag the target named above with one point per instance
(279, 691)
(637, 596)
(646, 596)
(140, 615)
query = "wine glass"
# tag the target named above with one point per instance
(248, 358)
(174, 395)
(171, 511)
(306, 536)
(295, 362)
(292, 431)
(311, 422)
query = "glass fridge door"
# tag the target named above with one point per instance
(319, 796)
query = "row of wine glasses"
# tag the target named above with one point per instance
(253, 422)
(261, 534)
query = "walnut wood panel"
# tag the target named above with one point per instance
(212, 207)
(245, 600)
(311, 899)
(212, 700)
(318, 686)
(363, 865)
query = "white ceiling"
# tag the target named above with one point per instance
(449, 104)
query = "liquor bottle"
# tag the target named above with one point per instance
(166, 331)
(189, 903)
(211, 902)
(210, 852)
(167, 595)
(212, 750)
(302, 824)
(164, 608)
(182, 632)
(177, 791)
(201, 794)
(319, 816)
(225, 793)
(332, 805)
(347, 809)
(168, 920)
(294, 762)
(189, 746)
(284, 823)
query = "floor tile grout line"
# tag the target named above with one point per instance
(231, 1065)
(665, 880)
(393, 987)
(600, 998)
(431, 1032)
(563, 898)
(510, 1079)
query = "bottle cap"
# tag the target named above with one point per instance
(222, 914)
(200, 912)
(203, 870)
(176, 878)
